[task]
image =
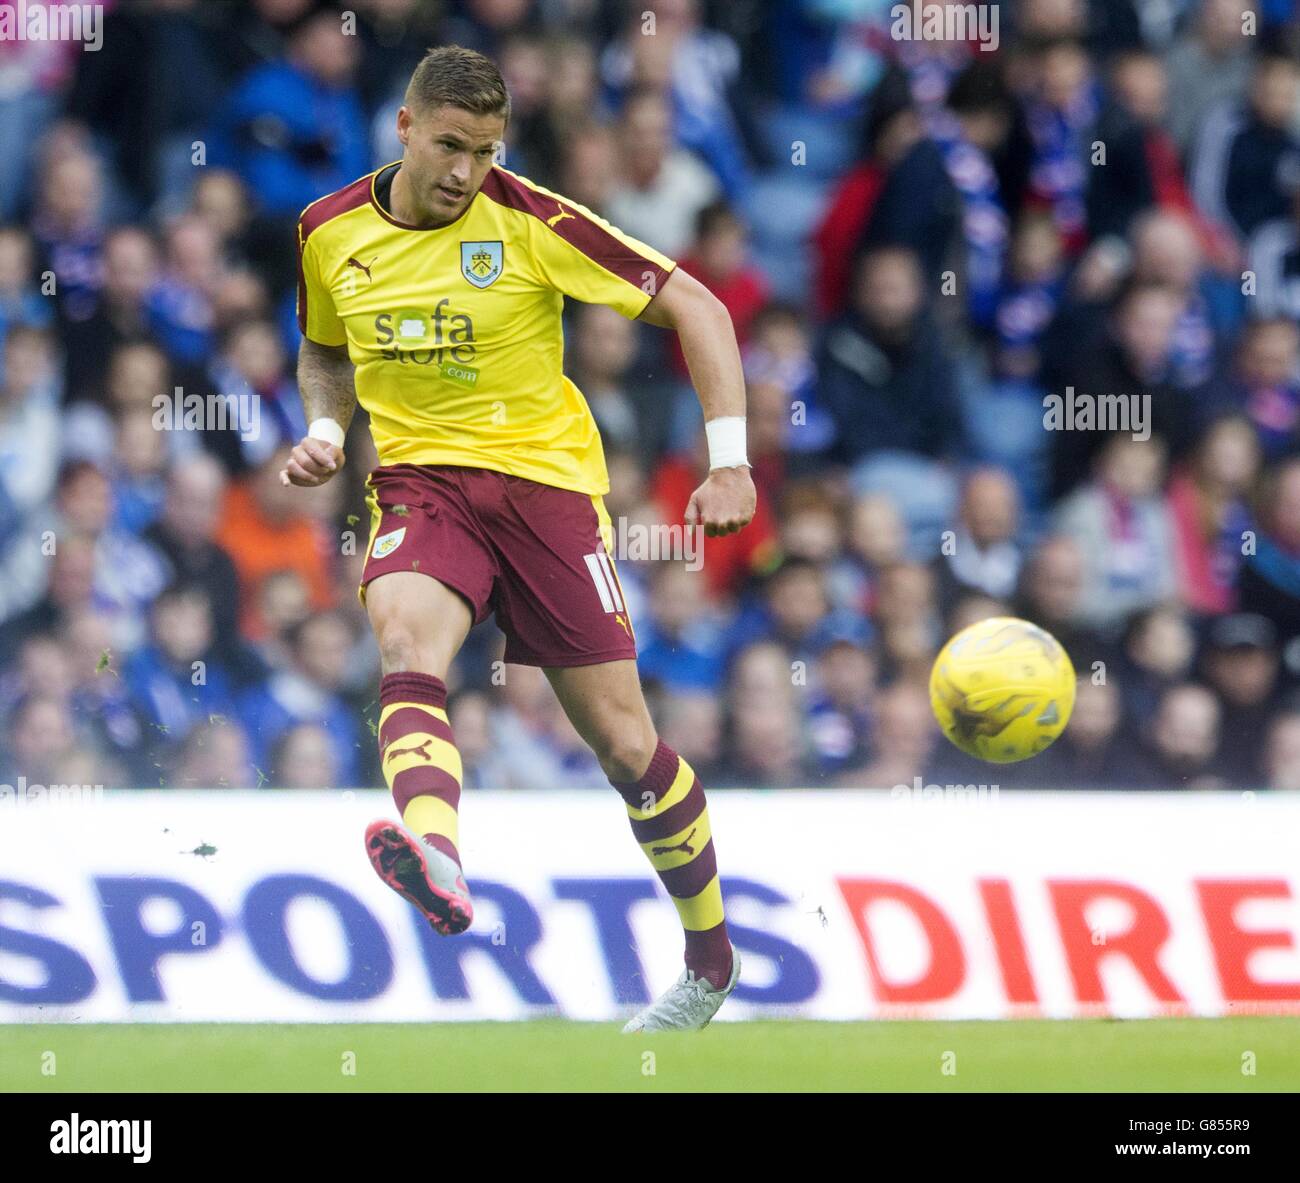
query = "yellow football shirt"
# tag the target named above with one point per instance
(455, 332)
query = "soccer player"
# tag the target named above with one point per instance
(431, 292)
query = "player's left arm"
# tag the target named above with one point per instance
(725, 502)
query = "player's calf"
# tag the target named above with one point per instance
(670, 820)
(419, 859)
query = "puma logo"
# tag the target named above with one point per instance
(684, 845)
(422, 748)
(362, 267)
(623, 623)
(564, 213)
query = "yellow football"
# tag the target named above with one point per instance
(1002, 689)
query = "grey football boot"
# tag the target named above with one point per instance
(687, 1005)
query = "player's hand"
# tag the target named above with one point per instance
(724, 503)
(311, 463)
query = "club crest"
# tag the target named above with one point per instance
(385, 544)
(481, 262)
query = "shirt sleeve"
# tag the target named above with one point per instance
(318, 319)
(583, 256)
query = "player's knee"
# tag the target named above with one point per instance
(399, 650)
(624, 754)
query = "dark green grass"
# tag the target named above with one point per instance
(1087, 1055)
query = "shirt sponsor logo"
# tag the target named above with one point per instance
(441, 338)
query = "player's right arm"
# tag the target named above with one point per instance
(326, 377)
(327, 386)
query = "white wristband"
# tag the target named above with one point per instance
(327, 430)
(726, 441)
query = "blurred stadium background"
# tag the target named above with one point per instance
(918, 245)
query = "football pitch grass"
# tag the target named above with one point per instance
(1174, 1055)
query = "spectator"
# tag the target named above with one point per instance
(839, 714)
(1208, 65)
(1246, 159)
(794, 608)
(40, 732)
(1028, 297)
(184, 536)
(1267, 387)
(979, 148)
(763, 727)
(264, 529)
(109, 567)
(22, 301)
(1157, 654)
(252, 371)
(885, 379)
(661, 188)
(29, 425)
(175, 679)
(307, 691)
(1208, 506)
(903, 740)
(68, 225)
(1282, 753)
(780, 353)
(1052, 591)
(603, 351)
(215, 755)
(698, 69)
(1268, 583)
(1274, 265)
(691, 724)
(1132, 366)
(590, 167)
(893, 129)
(1241, 667)
(1123, 530)
(470, 712)
(984, 555)
(118, 316)
(876, 539)
(181, 304)
(718, 259)
(679, 642)
(304, 759)
(1180, 747)
(1061, 110)
(1088, 755)
(294, 129)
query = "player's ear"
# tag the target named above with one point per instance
(404, 120)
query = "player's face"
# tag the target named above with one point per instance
(448, 153)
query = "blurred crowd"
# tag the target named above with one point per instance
(918, 242)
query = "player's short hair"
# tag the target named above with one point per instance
(452, 76)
